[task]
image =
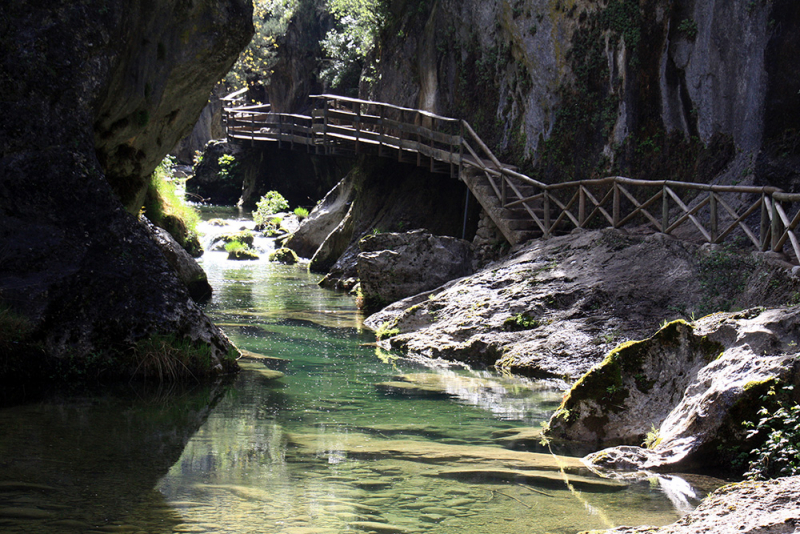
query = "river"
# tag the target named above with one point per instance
(328, 448)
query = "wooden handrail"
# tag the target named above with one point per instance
(343, 123)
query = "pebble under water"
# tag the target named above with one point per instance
(324, 449)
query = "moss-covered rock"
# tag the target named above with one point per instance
(242, 254)
(634, 388)
(687, 390)
(284, 255)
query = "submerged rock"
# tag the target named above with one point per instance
(688, 386)
(392, 266)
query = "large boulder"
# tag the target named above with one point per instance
(188, 270)
(94, 95)
(322, 220)
(689, 386)
(557, 306)
(393, 266)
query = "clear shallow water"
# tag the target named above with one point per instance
(321, 450)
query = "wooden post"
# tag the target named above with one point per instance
(546, 198)
(325, 128)
(581, 206)
(358, 126)
(764, 223)
(461, 151)
(380, 131)
(615, 207)
(713, 223)
(664, 209)
(777, 226)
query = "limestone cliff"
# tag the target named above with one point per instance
(574, 89)
(95, 93)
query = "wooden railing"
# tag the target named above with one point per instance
(340, 125)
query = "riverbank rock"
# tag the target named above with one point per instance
(94, 96)
(188, 270)
(557, 306)
(393, 266)
(689, 386)
(763, 507)
(284, 255)
(386, 197)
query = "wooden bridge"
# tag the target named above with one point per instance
(521, 207)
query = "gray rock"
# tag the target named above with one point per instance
(750, 507)
(188, 270)
(115, 91)
(559, 305)
(690, 385)
(393, 266)
(322, 220)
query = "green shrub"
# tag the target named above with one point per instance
(270, 204)
(167, 209)
(301, 213)
(234, 246)
(778, 430)
(228, 167)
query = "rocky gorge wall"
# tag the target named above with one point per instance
(578, 89)
(95, 94)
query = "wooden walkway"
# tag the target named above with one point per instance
(521, 207)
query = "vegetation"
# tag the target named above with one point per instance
(521, 321)
(255, 63)
(387, 330)
(167, 209)
(228, 167)
(346, 46)
(270, 204)
(284, 255)
(778, 431)
(301, 213)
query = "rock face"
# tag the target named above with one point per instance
(95, 94)
(749, 507)
(558, 306)
(208, 127)
(322, 220)
(390, 197)
(187, 269)
(692, 385)
(674, 90)
(209, 184)
(394, 266)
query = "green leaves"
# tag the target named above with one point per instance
(270, 204)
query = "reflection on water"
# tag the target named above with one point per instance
(346, 441)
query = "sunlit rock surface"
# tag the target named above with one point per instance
(393, 266)
(764, 507)
(556, 307)
(690, 386)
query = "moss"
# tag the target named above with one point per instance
(387, 329)
(605, 384)
(284, 255)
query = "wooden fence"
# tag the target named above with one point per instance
(767, 216)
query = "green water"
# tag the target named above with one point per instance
(321, 450)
